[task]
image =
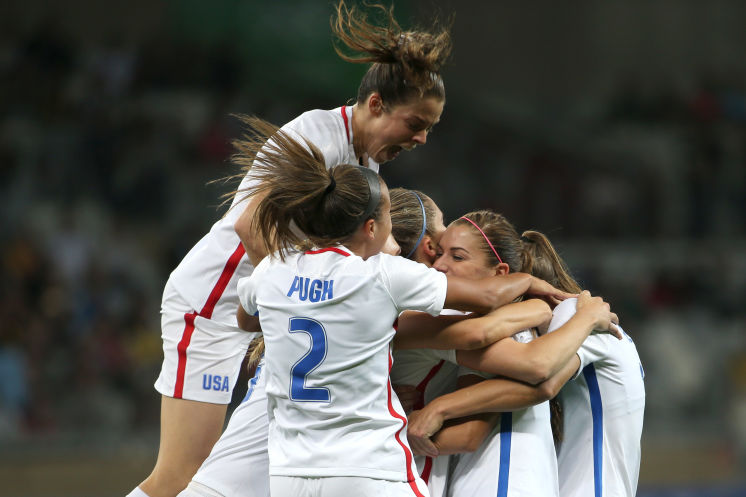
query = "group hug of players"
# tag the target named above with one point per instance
(394, 355)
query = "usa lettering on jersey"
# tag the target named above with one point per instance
(215, 382)
(313, 290)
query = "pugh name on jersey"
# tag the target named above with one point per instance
(313, 290)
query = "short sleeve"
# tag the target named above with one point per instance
(562, 314)
(413, 286)
(594, 348)
(247, 287)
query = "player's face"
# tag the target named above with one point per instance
(460, 254)
(402, 127)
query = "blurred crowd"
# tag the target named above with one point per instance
(107, 149)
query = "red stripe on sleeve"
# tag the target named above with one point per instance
(181, 349)
(206, 312)
(347, 124)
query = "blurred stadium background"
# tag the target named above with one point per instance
(618, 128)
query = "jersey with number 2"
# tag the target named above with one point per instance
(328, 321)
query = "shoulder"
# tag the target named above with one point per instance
(562, 313)
(326, 130)
(318, 125)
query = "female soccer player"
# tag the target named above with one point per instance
(522, 446)
(328, 317)
(399, 99)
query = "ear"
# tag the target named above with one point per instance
(375, 104)
(428, 247)
(502, 269)
(369, 228)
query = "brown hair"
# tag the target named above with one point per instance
(404, 64)
(406, 217)
(327, 205)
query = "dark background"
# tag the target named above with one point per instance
(617, 128)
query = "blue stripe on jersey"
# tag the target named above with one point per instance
(589, 372)
(506, 432)
(252, 383)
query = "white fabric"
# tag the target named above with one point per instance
(344, 486)
(517, 458)
(238, 464)
(137, 492)
(211, 362)
(205, 280)
(412, 367)
(329, 319)
(610, 377)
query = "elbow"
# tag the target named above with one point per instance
(538, 372)
(241, 227)
(546, 391)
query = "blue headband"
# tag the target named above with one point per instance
(424, 225)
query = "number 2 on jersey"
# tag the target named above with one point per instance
(309, 362)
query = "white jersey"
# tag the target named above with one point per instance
(433, 373)
(328, 321)
(516, 459)
(603, 412)
(206, 278)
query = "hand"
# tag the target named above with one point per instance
(551, 295)
(422, 425)
(409, 396)
(605, 320)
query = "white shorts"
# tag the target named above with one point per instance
(201, 357)
(238, 464)
(345, 486)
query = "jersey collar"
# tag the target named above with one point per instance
(337, 250)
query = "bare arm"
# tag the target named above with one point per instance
(247, 322)
(246, 231)
(421, 330)
(465, 433)
(543, 357)
(490, 293)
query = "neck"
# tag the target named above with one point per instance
(358, 136)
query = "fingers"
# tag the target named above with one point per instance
(614, 318)
(614, 330)
(423, 446)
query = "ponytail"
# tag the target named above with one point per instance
(404, 64)
(327, 205)
(541, 260)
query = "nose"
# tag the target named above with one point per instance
(440, 265)
(420, 138)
